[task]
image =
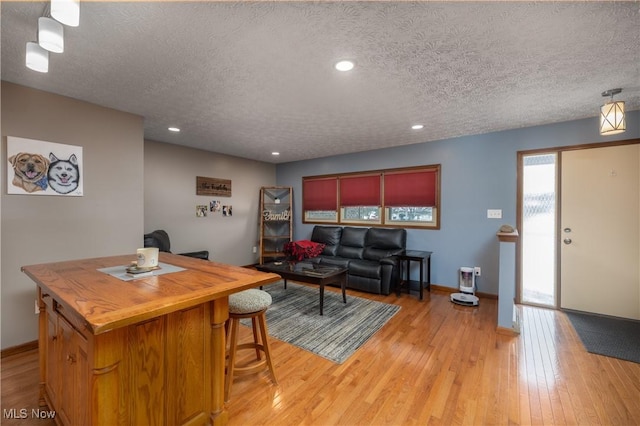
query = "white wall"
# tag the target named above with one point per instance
(170, 201)
(107, 220)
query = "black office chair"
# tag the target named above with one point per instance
(160, 239)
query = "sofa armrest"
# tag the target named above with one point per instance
(202, 254)
(390, 260)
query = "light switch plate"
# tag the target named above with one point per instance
(494, 214)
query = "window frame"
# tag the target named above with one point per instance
(383, 215)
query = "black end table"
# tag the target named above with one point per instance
(424, 257)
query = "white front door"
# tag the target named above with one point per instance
(600, 230)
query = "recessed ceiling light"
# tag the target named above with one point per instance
(174, 129)
(417, 126)
(275, 153)
(344, 66)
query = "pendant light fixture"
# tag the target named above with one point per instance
(50, 35)
(612, 119)
(37, 57)
(66, 12)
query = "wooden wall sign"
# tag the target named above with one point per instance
(213, 186)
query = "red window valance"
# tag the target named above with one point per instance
(360, 191)
(320, 194)
(410, 189)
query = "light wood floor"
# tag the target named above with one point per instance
(433, 363)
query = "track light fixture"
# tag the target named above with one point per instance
(37, 57)
(50, 35)
(51, 32)
(66, 12)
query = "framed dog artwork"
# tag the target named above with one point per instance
(43, 168)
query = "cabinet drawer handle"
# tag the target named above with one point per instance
(71, 358)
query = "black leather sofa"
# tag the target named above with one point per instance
(160, 239)
(368, 253)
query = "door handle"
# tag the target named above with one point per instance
(567, 241)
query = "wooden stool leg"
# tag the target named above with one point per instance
(254, 328)
(262, 320)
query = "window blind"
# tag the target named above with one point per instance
(410, 188)
(360, 191)
(320, 194)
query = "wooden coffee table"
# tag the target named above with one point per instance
(310, 273)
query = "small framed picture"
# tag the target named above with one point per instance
(201, 211)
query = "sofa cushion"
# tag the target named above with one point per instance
(329, 236)
(352, 242)
(342, 262)
(383, 242)
(365, 268)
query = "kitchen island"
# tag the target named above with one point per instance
(151, 350)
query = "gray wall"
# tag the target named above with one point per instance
(478, 173)
(170, 201)
(107, 220)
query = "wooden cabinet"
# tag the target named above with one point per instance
(74, 369)
(67, 368)
(130, 371)
(276, 221)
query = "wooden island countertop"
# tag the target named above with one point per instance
(149, 350)
(106, 302)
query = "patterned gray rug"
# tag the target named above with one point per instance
(608, 336)
(294, 317)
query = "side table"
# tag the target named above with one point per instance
(423, 257)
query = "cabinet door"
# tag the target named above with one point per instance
(68, 359)
(74, 375)
(81, 380)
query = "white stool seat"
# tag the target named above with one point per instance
(249, 301)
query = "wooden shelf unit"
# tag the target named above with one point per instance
(276, 221)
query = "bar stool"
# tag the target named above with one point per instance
(252, 303)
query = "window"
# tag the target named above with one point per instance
(398, 197)
(411, 197)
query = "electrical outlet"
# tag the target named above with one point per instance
(494, 214)
(37, 310)
(477, 271)
(254, 249)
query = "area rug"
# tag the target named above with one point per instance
(608, 336)
(294, 317)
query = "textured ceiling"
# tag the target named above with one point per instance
(249, 78)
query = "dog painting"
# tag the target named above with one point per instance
(29, 171)
(43, 168)
(64, 175)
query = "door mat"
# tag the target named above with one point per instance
(608, 336)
